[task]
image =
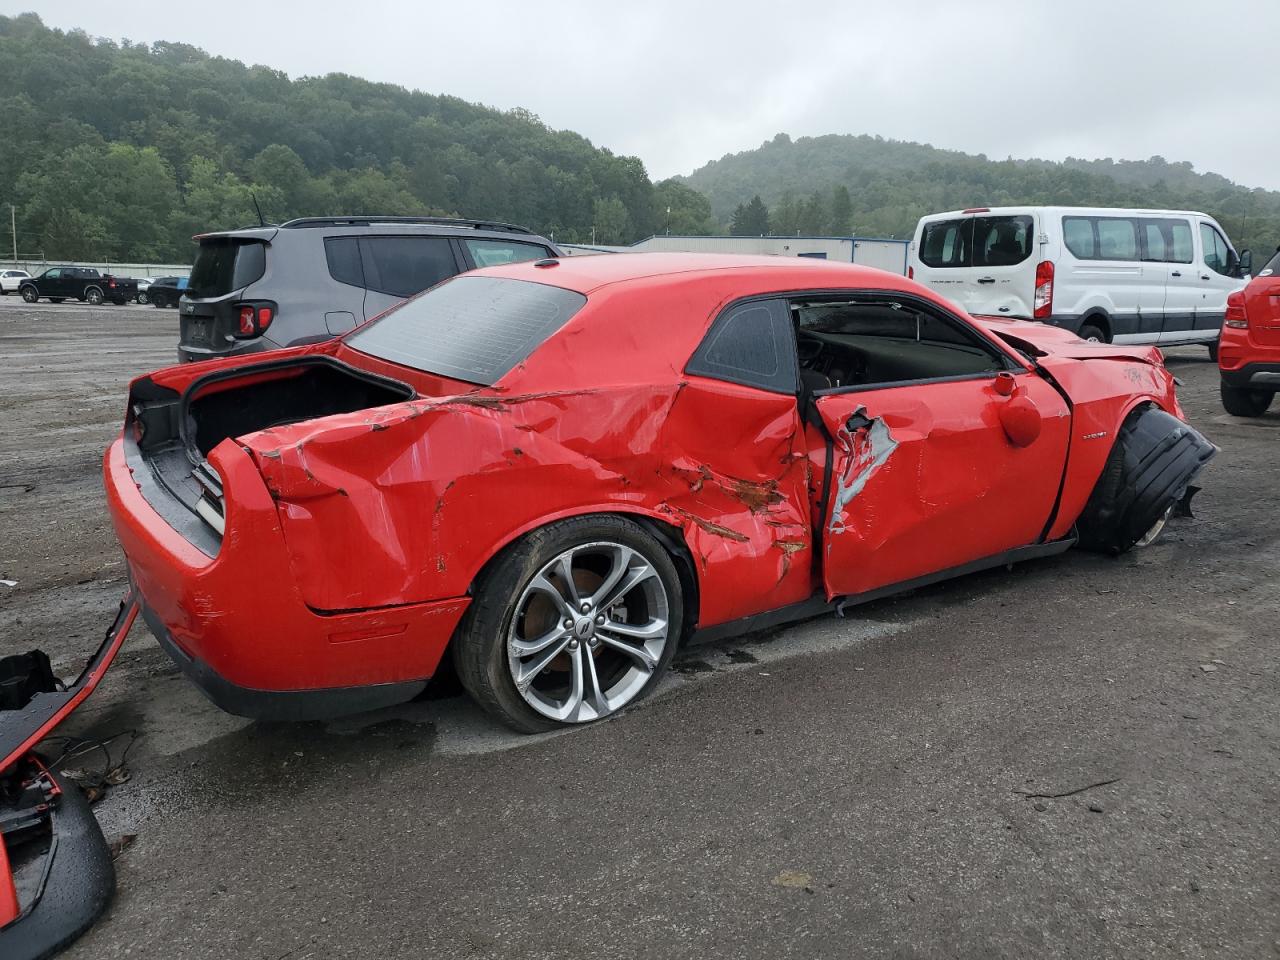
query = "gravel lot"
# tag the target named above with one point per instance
(840, 788)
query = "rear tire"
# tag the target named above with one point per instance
(1092, 332)
(1213, 351)
(94, 296)
(1243, 402)
(514, 624)
(142, 298)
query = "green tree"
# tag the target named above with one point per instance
(681, 210)
(841, 222)
(610, 220)
(751, 219)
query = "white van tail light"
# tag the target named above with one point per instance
(911, 273)
(1043, 305)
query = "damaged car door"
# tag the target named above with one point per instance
(938, 447)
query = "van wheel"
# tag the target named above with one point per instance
(574, 622)
(1093, 333)
(1242, 402)
(1213, 351)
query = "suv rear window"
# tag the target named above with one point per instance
(225, 264)
(999, 241)
(1272, 268)
(472, 328)
(492, 253)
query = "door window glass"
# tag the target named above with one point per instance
(1153, 238)
(1217, 255)
(403, 266)
(52, 274)
(874, 341)
(1180, 242)
(945, 243)
(492, 253)
(1001, 241)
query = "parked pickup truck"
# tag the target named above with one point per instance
(80, 283)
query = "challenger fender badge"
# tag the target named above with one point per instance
(1094, 436)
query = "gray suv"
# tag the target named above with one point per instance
(312, 279)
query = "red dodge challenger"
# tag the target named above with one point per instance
(558, 471)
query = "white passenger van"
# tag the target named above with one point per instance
(1122, 276)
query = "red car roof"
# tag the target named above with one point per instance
(587, 273)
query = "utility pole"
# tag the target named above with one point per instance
(668, 221)
(13, 225)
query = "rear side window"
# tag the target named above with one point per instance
(750, 343)
(1101, 238)
(472, 328)
(492, 253)
(1272, 268)
(403, 266)
(343, 256)
(224, 265)
(1001, 241)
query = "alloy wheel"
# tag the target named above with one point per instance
(588, 632)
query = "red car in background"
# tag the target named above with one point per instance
(560, 470)
(1249, 348)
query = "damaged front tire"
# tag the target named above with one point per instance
(1151, 466)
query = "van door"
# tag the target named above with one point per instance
(1182, 286)
(1215, 269)
(982, 261)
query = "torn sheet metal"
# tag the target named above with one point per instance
(863, 451)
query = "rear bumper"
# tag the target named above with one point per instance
(237, 624)
(188, 353)
(279, 704)
(1254, 376)
(78, 878)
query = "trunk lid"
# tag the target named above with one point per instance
(982, 260)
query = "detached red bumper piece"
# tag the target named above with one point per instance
(56, 876)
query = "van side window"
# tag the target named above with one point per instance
(1217, 255)
(1153, 238)
(1077, 232)
(1117, 239)
(1166, 241)
(1182, 252)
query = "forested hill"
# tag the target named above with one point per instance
(891, 184)
(120, 151)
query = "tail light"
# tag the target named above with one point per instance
(1043, 303)
(111, 283)
(1236, 316)
(911, 273)
(254, 318)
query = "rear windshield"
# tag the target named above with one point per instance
(1000, 241)
(1272, 268)
(470, 328)
(224, 264)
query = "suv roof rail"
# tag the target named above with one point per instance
(436, 221)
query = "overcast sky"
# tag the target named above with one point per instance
(681, 83)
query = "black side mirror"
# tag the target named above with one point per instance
(1245, 267)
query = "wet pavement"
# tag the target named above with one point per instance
(898, 783)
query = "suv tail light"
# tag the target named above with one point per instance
(1236, 316)
(1042, 307)
(254, 318)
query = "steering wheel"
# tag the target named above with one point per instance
(808, 350)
